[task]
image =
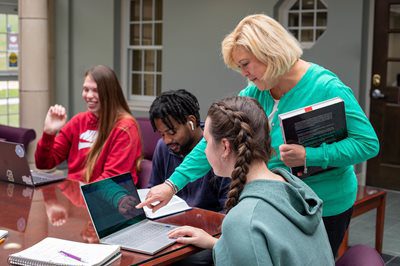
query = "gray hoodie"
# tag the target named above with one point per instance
(275, 223)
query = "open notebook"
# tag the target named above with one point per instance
(175, 205)
(55, 251)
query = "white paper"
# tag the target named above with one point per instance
(175, 205)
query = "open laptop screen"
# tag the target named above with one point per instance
(111, 203)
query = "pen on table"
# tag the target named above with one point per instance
(69, 255)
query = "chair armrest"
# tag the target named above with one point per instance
(17, 134)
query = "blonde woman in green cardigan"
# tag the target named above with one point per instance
(269, 57)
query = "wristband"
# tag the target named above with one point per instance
(171, 185)
(305, 164)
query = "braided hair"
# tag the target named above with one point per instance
(242, 121)
(176, 104)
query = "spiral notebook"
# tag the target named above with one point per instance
(55, 251)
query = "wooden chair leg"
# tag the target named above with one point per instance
(343, 247)
(380, 222)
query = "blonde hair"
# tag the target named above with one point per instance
(267, 40)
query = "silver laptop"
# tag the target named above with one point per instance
(111, 204)
(14, 167)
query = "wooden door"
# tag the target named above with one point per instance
(384, 170)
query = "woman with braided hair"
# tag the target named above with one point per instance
(273, 217)
(269, 57)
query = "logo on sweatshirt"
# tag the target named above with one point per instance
(87, 138)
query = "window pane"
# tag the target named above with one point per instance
(295, 33)
(3, 41)
(293, 20)
(158, 10)
(13, 108)
(149, 60)
(158, 77)
(3, 118)
(159, 60)
(3, 110)
(149, 84)
(135, 10)
(13, 89)
(295, 6)
(307, 19)
(320, 5)
(158, 34)
(135, 35)
(147, 9)
(136, 84)
(3, 61)
(394, 17)
(394, 44)
(308, 4)
(393, 71)
(319, 33)
(3, 26)
(147, 31)
(13, 23)
(137, 60)
(14, 120)
(322, 18)
(3, 89)
(307, 36)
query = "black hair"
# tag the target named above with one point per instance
(176, 104)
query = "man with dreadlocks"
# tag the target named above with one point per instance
(175, 114)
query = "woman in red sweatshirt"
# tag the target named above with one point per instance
(102, 142)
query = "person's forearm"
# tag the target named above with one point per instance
(193, 167)
(44, 152)
(213, 241)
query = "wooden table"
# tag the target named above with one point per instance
(369, 198)
(58, 210)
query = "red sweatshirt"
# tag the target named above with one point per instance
(119, 155)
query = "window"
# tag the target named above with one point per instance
(9, 85)
(144, 51)
(305, 19)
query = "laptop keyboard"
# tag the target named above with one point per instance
(41, 176)
(138, 235)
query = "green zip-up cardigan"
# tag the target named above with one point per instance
(336, 187)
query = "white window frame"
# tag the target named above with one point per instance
(135, 102)
(283, 14)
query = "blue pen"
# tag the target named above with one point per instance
(69, 255)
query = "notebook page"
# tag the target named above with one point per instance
(59, 251)
(176, 204)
